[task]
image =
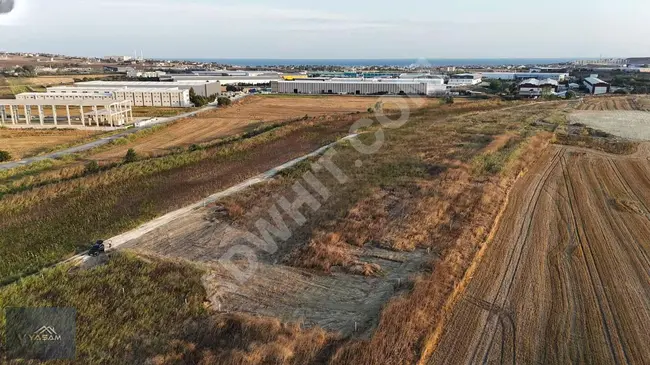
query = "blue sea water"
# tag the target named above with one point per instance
(259, 62)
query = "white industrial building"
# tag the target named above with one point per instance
(360, 86)
(107, 113)
(172, 97)
(420, 76)
(139, 96)
(58, 96)
(535, 87)
(232, 73)
(201, 88)
(228, 80)
(464, 80)
(596, 86)
(558, 76)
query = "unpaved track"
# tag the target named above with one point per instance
(567, 277)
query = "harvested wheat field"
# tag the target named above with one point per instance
(566, 277)
(251, 113)
(615, 103)
(29, 142)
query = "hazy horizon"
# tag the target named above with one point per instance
(290, 29)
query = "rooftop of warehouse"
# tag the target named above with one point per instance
(147, 83)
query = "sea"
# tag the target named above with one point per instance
(405, 62)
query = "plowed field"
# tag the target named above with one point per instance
(567, 277)
(615, 103)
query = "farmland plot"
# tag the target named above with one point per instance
(565, 279)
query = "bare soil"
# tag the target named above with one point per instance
(339, 302)
(565, 279)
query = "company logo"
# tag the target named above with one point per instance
(45, 333)
(6, 6)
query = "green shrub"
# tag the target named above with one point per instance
(120, 141)
(4, 156)
(130, 156)
(195, 147)
(447, 100)
(91, 167)
(487, 164)
(224, 101)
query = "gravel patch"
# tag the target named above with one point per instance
(622, 123)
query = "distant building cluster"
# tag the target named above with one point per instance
(138, 93)
(536, 87)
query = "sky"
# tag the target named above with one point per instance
(332, 29)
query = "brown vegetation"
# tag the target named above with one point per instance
(388, 253)
(417, 195)
(251, 113)
(28, 142)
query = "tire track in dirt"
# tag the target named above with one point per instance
(566, 278)
(637, 246)
(596, 280)
(512, 270)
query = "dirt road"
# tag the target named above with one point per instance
(566, 278)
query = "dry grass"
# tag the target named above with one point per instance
(417, 192)
(28, 142)
(50, 80)
(134, 311)
(615, 103)
(252, 112)
(157, 112)
(51, 219)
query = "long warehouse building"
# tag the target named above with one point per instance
(201, 88)
(229, 80)
(360, 86)
(171, 97)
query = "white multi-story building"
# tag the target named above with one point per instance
(465, 80)
(64, 97)
(360, 86)
(201, 88)
(171, 97)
